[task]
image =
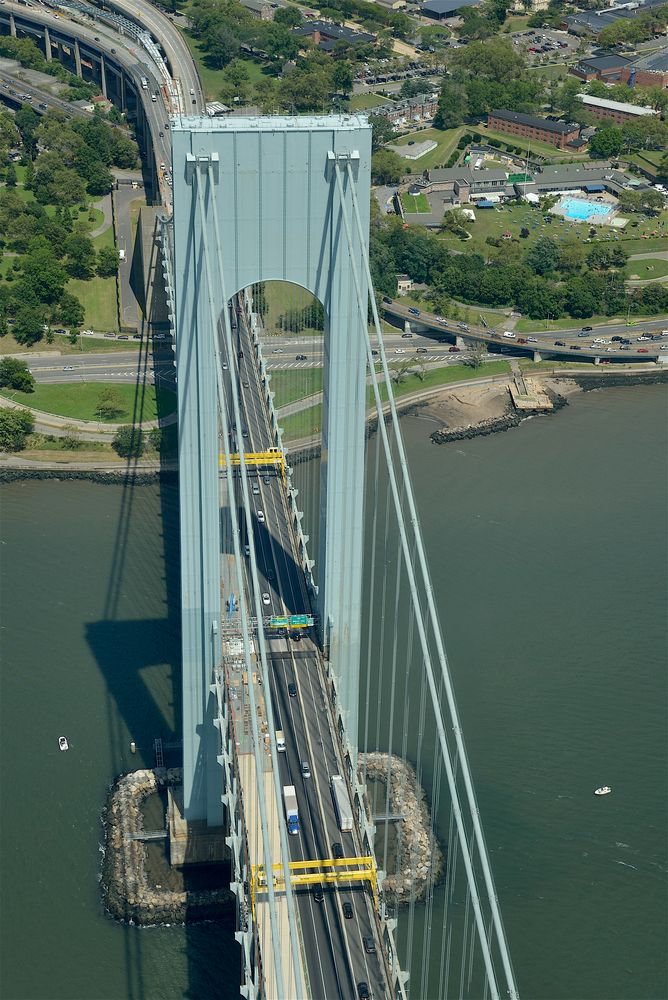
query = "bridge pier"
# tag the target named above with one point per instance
(77, 57)
(597, 361)
(47, 45)
(103, 77)
(537, 356)
(12, 26)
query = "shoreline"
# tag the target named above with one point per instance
(463, 410)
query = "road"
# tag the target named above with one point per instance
(337, 960)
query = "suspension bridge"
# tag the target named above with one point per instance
(310, 632)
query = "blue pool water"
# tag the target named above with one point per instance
(577, 208)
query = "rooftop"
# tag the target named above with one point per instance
(335, 31)
(271, 123)
(622, 106)
(605, 62)
(467, 175)
(532, 121)
(443, 6)
(656, 62)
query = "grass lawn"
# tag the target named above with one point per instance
(529, 366)
(79, 401)
(643, 269)
(365, 102)
(62, 345)
(98, 297)
(303, 424)
(512, 218)
(516, 22)
(281, 296)
(415, 203)
(213, 79)
(447, 141)
(645, 245)
(294, 384)
(434, 377)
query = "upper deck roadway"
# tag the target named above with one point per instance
(335, 955)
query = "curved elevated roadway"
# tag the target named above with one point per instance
(544, 343)
(173, 45)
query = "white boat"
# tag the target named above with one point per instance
(62, 743)
(603, 790)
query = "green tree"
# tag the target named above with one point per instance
(475, 358)
(386, 167)
(29, 324)
(454, 221)
(15, 426)
(606, 143)
(571, 256)
(453, 107)
(289, 17)
(602, 256)
(236, 86)
(128, 442)
(71, 311)
(543, 256)
(107, 262)
(222, 47)
(10, 176)
(42, 271)
(81, 256)
(109, 403)
(342, 77)
(382, 131)
(15, 374)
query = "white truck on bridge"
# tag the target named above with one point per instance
(291, 810)
(344, 812)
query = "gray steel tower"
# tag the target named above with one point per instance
(280, 218)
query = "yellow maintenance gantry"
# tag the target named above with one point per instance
(330, 871)
(259, 459)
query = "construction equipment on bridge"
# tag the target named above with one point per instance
(273, 456)
(330, 870)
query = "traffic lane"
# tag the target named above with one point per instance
(315, 916)
(313, 796)
(325, 763)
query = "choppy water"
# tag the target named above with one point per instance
(548, 553)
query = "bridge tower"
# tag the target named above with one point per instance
(279, 217)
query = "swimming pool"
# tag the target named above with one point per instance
(578, 208)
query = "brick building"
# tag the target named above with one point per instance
(608, 68)
(325, 34)
(560, 134)
(649, 71)
(614, 111)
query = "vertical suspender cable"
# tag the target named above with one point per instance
(404, 538)
(285, 853)
(422, 560)
(274, 928)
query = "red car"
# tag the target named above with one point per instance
(643, 350)
(453, 350)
